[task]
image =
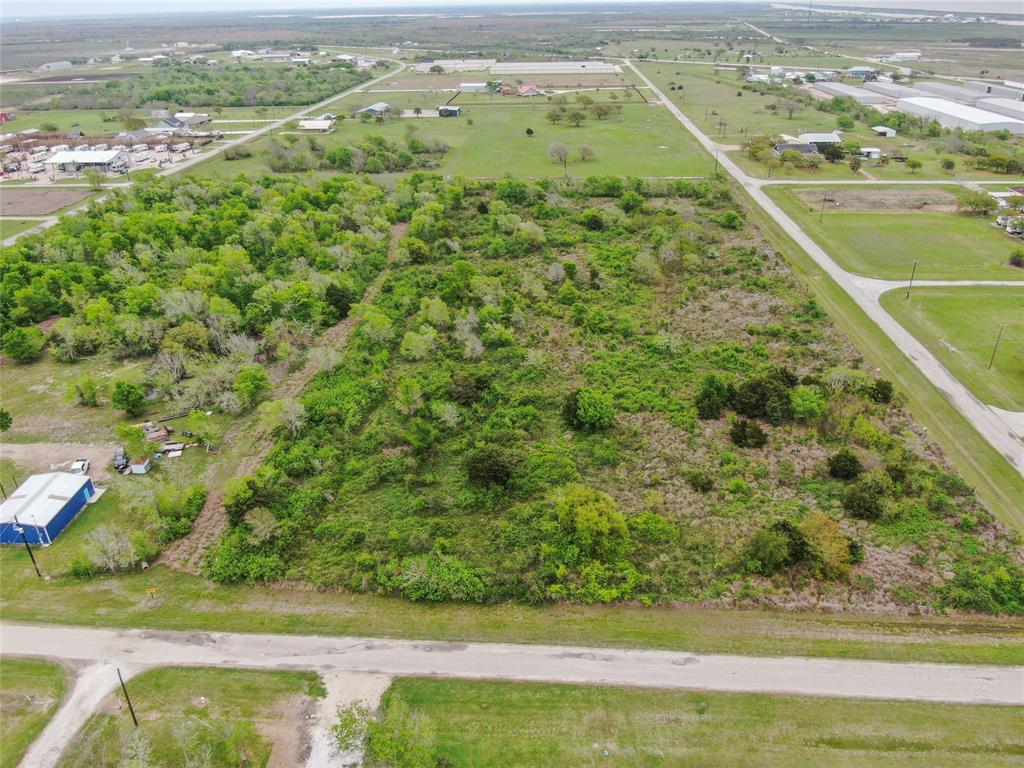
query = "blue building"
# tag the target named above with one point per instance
(43, 506)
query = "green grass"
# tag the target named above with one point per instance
(486, 724)
(947, 246)
(10, 227)
(960, 326)
(643, 141)
(242, 712)
(30, 692)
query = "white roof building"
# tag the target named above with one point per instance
(892, 90)
(455, 65)
(73, 159)
(946, 91)
(885, 131)
(317, 126)
(41, 498)
(820, 138)
(555, 68)
(1008, 107)
(995, 90)
(859, 95)
(953, 115)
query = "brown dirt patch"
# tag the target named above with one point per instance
(39, 202)
(50, 457)
(875, 200)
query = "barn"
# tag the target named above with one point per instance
(43, 506)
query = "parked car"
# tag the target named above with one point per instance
(140, 147)
(160, 148)
(181, 147)
(140, 157)
(79, 467)
(120, 458)
(36, 168)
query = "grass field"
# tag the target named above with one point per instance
(10, 227)
(30, 692)
(487, 724)
(643, 141)
(241, 717)
(948, 246)
(960, 325)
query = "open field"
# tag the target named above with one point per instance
(947, 246)
(960, 326)
(40, 202)
(30, 692)
(643, 141)
(499, 724)
(238, 717)
(10, 227)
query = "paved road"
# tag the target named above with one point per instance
(987, 422)
(540, 663)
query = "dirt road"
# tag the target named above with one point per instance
(988, 423)
(539, 663)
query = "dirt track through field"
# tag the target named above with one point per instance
(39, 202)
(187, 553)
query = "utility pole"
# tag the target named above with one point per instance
(18, 527)
(716, 164)
(127, 698)
(821, 213)
(998, 337)
(911, 283)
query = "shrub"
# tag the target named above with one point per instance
(23, 345)
(747, 434)
(439, 578)
(881, 391)
(512, 191)
(652, 528)
(592, 219)
(828, 546)
(712, 398)
(729, 220)
(130, 398)
(701, 482)
(765, 397)
(797, 543)
(768, 552)
(631, 201)
(844, 465)
(251, 384)
(1017, 258)
(592, 520)
(866, 497)
(588, 409)
(489, 465)
(807, 403)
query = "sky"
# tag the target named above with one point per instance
(14, 9)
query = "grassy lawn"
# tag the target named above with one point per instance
(498, 724)
(948, 246)
(30, 692)
(10, 227)
(35, 395)
(241, 717)
(959, 326)
(643, 141)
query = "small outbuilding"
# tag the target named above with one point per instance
(316, 126)
(884, 131)
(379, 108)
(449, 110)
(43, 506)
(474, 87)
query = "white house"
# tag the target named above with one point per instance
(51, 66)
(316, 126)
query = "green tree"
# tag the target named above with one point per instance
(5, 420)
(712, 397)
(844, 465)
(589, 409)
(402, 739)
(768, 551)
(251, 384)
(576, 118)
(808, 403)
(975, 202)
(128, 397)
(84, 392)
(23, 345)
(914, 165)
(828, 546)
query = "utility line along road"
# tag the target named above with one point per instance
(988, 423)
(537, 663)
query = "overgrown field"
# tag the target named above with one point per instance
(498, 724)
(30, 692)
(219, 718)
(601, 393)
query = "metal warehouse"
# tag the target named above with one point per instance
(857, 94)
(43, 506)
(1008, 107)
(953, 115)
